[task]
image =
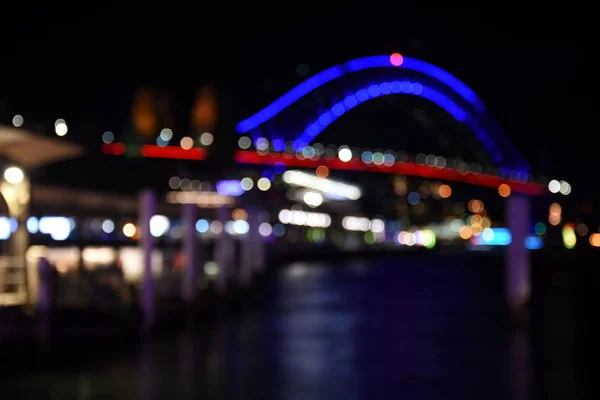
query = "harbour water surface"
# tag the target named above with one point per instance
(414, 328)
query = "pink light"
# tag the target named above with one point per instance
(396, 59)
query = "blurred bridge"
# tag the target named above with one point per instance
(277, 151)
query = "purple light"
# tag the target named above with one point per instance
(230, 188)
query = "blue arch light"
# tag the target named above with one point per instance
(352, 66)
(492, 139)
(396, 87)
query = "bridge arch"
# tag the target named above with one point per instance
(417, 78)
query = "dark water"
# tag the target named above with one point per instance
(425, 328)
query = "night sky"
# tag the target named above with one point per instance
(86, 69)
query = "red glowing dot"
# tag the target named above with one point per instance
(396, 59)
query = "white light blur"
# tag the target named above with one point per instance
(201, 199)
(5, 229)
(132, 261)
(166, 134)
(108, 226)
(325, 185)
(206, 139)
(247, 184)
(554, 186)
(240, 227)
(263, 184)
(59, 228)
(33, 225)
(14, 175)
(159, 225)
(17, 121)
(60, 127)
(313, 199)
(488, 234)
(361, 224)
(345, 154)
(211, 268)
(565, 188)
(377, 226)
(303, 218)
(265, 229)
(244, 142)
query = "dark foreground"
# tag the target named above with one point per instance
(416, 328)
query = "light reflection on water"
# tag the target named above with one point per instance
(365, 331)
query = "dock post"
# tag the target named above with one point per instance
(517, 260)
(147, 209)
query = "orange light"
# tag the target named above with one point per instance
(595, 239)
(504, 190)
(239, 214)
(129, 230)
(145, 119)
(322, 171)
(445, 191)
(465, 232)
(475, 206)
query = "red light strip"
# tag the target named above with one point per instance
(401, 168)
(117, 149)
(153, 151)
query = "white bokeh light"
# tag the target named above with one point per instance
(14, 175)
(554, 186)
(345, 154)
(565, 188)
(159, 225)
(60, 127)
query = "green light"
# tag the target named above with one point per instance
(540, 228)
(428, 238)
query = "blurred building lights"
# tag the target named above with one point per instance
(303, 218)
(325, 185)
